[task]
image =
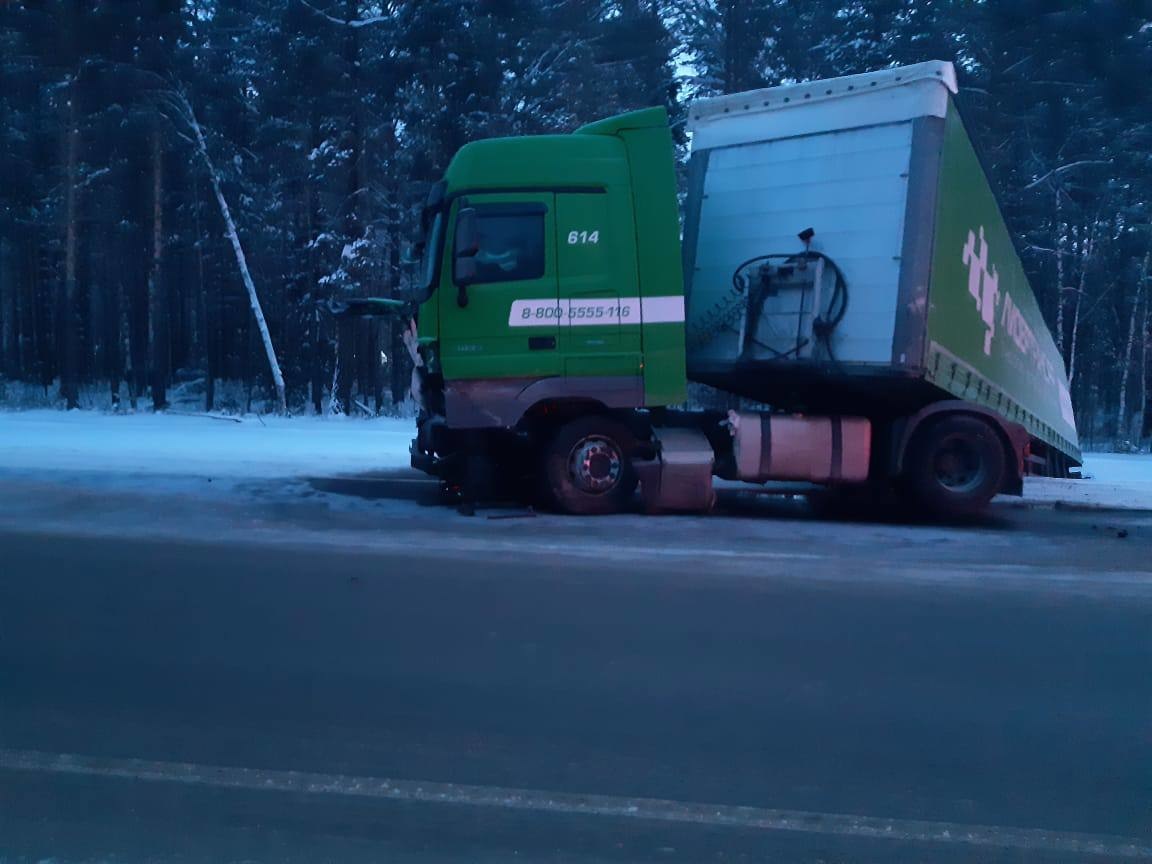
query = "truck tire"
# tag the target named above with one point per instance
(955, 465)
(587, 467)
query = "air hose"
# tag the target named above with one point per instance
(728, 309)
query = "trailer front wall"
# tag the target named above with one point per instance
(987, 340)
(849, 186)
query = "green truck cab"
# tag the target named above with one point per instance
(554, 337)
(552, 266)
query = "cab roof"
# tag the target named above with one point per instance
(594, 156)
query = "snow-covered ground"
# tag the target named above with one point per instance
(200, 445)
(1122, 480)
(180, 445)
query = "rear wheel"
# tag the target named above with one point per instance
(955, 465)
(588, 467)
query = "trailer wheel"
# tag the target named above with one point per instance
(588, 467)
(955, 465)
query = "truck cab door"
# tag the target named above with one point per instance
(499, 315)
(596, 250)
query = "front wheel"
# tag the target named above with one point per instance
(588, 467)
(955, 465)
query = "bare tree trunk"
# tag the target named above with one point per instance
(377, 368)
(399, 365)
(1138, 432)
(311, 214)
(238, 251)
(1122, 420)
(208, 316)
(24, 304)
(113, 333)
(334, 405)
(95, 351)
(727, 23)
(41, 278)
(344, 372)
(1060, 277)
(137, 312)
(317, 364)
(10, 311)
(1085, 257)
(350, 343)
(158, 310)
(69, 387)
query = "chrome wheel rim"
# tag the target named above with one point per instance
(596, 464)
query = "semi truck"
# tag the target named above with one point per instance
(842, 283)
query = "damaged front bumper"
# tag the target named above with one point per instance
(429, 440)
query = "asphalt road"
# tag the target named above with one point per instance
(832, 691)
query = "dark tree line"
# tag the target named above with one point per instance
(325, 121)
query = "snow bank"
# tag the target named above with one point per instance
(200, 445)
(1120, 480)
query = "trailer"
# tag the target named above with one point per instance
(844, 278)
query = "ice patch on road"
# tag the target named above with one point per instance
(200, 445)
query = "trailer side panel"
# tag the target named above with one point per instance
(987, 340)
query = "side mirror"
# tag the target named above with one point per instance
(463, 274)
(465, 246)
(413, 254)
(467, 241)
